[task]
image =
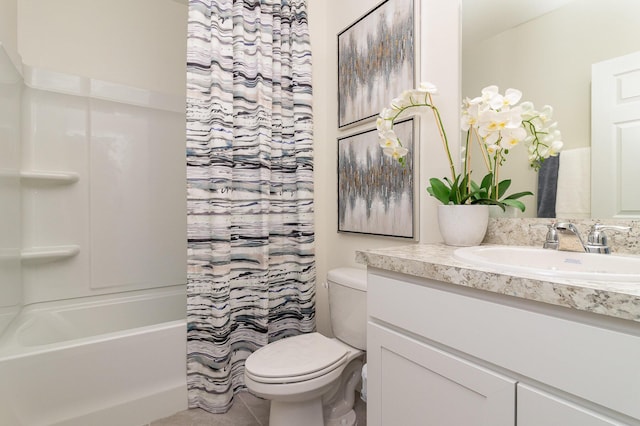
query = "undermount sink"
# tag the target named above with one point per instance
(553, 263)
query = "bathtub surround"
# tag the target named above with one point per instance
(92, 183)
(11, 87)
(99, 162)
(251, 266)
(100, 255)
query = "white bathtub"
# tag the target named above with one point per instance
(117, 360)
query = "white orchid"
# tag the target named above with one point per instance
(486, 95)
(387, 113)
(498, 121)
(388, 139)
(416, 98)
(395, 152)
(501, 123)
(469, 115)
(555, 147)
(403, 101)
(546, 113)
(528, 110)
(511, 137)
(426, 87)
(384, 124)
(502, 102)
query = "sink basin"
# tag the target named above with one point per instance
(552, 263)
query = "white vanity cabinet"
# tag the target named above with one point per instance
(440, 354)
(421, 385)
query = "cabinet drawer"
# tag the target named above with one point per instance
(412, 383)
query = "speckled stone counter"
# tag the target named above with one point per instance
(437, 261)
(531, 232)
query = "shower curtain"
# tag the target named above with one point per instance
(251, 269)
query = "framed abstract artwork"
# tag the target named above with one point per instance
(376, 194)
(376, 60)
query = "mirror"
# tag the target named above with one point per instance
(545, 49)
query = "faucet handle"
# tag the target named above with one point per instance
(551, 239)
(598, 241)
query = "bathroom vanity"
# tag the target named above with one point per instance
(452, 343)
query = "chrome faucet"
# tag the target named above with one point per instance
(597, 241)
(569, 238)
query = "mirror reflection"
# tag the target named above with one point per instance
(546, 49)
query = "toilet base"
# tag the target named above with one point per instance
(338, 407)
(308, 413)
(348, 419)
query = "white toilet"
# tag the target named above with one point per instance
(311, 379)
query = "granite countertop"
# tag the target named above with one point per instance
(436, 261)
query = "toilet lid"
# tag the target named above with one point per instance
(301, 357)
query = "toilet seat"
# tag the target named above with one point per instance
(296, 359)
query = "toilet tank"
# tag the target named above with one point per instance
(348, 305)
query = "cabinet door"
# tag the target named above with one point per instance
(412, 383)
(536, 408)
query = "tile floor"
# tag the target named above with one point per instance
(247, 410)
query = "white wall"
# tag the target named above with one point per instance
(9, 29)
(439, 63)
(132, 42)
(549, 59)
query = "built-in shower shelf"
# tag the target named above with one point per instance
(49, 254)
(49, 177)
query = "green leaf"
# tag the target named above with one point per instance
(518, 195)
(454, 194)
(486, 181)
(502, 188)
(439, 190)
(514, 203)
(489, 201)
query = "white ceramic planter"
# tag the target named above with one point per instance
(463, 225)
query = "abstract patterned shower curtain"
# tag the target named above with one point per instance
(251, 269)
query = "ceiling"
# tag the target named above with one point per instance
(484, 18)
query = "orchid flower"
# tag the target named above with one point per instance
(498, 121)
(395, 152)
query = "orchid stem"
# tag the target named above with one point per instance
(467, 159)
(443, 136)
(485, 154)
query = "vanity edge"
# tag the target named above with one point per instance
(437, 262)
